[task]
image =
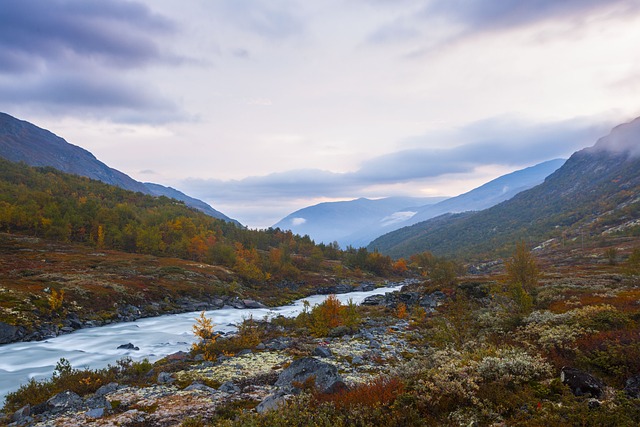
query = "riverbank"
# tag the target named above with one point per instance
(151, 338)
(48, 289)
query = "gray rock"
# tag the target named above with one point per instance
(261, 346)
(106, 389)
(581, 383)
(280, 343)
(165, 378)
(373, 300)
(201, 387)
(243, 352)
(632, 387)
(229, 387)
(322, 351)
(67, 400)
(128, 346)
(22, 413)
(272, 401)
(96, 412)
(357, 360)
(9, 333)
(249, 303)
(301, 370)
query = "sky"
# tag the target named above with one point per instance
(263, 107)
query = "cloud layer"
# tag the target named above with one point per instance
(71, 56)
(502, 142)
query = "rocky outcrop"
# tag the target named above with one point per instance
(392, 299)
(581, 383)
(324, 375)
(10, 333)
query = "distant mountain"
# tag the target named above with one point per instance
(594, 194)
(21, 141)
(490, 194)
(360, 221)
(339, 221)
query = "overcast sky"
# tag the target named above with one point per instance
(264, 107)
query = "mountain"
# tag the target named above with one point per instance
(21, 141)
(593, 195)
(172, 193)
(338, 221)
(490, 194)
(360, 221)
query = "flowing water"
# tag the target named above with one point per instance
(155, 337)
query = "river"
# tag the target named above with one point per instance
(155, 337)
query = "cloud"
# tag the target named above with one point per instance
(117, 33)
(482, 15)
(499, 141)
(298, 221)
(70, 58)
(273, 20)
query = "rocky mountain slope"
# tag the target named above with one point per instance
(593, 195)
(21, 141)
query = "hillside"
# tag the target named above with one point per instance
(490, 194)
(593, 195)
(21, 141)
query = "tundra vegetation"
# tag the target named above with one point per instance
(463, 344)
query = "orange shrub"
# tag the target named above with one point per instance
(381, 391)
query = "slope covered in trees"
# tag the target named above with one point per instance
(44, 202)
(593, 195)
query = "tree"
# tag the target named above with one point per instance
(522, 268)
(203, 330)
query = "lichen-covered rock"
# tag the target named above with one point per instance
(165, 378)
(67, 400)
(322, 351)
(301, 370)
(229, 387)
(272, 401)
(581, 383)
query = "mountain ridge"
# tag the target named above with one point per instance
(22, 141)
(594, 192)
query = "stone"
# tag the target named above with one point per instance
(243, 352)
(165, 378)
(272, 401)
(229, 387)
(95, 412)
(249, 303)
(9, 333)
(322, 351)
(201, 387)
(632, 387)
(301, 370)
(22, 413)
(106, 389)
(357, 360)
(67, 400)
(581, 383)
(128, 346)
(373, 300)
(261, 346)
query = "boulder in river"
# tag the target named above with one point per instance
(128, 346)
